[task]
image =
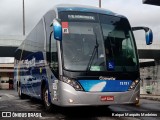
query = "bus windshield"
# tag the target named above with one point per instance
(105, 42)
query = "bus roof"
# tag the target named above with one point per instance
(84, 8)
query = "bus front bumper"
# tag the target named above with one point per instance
(68, 96)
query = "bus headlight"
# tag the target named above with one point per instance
(73, 83)
(134, 84)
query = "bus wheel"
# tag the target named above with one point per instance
(47, 104)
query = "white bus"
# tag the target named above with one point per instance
(80, 56)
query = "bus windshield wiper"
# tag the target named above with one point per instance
(95, 50)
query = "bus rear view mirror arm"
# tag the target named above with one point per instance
(148, 32)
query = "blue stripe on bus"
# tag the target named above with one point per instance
(105, 85)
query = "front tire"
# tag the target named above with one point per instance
(47, 104)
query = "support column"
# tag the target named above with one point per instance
(157, 76)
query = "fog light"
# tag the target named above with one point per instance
(137, 99)
(71, 101)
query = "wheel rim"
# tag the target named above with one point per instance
(46, 98)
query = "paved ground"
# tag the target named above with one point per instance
(10, 102)
(150, 97)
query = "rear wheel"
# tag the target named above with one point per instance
(47, 104)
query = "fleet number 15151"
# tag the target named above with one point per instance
(124, 83)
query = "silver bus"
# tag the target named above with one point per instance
(80, 56)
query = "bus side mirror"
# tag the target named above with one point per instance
(148, 31)
(57, 29)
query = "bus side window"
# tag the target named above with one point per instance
(54, 56)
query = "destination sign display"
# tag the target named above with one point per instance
(81, 17)
(78, 17)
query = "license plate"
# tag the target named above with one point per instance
(107, 98)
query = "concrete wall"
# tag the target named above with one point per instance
(150, 80)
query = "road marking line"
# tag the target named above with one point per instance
(3, 107)
(10, 96)
(43, 118)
